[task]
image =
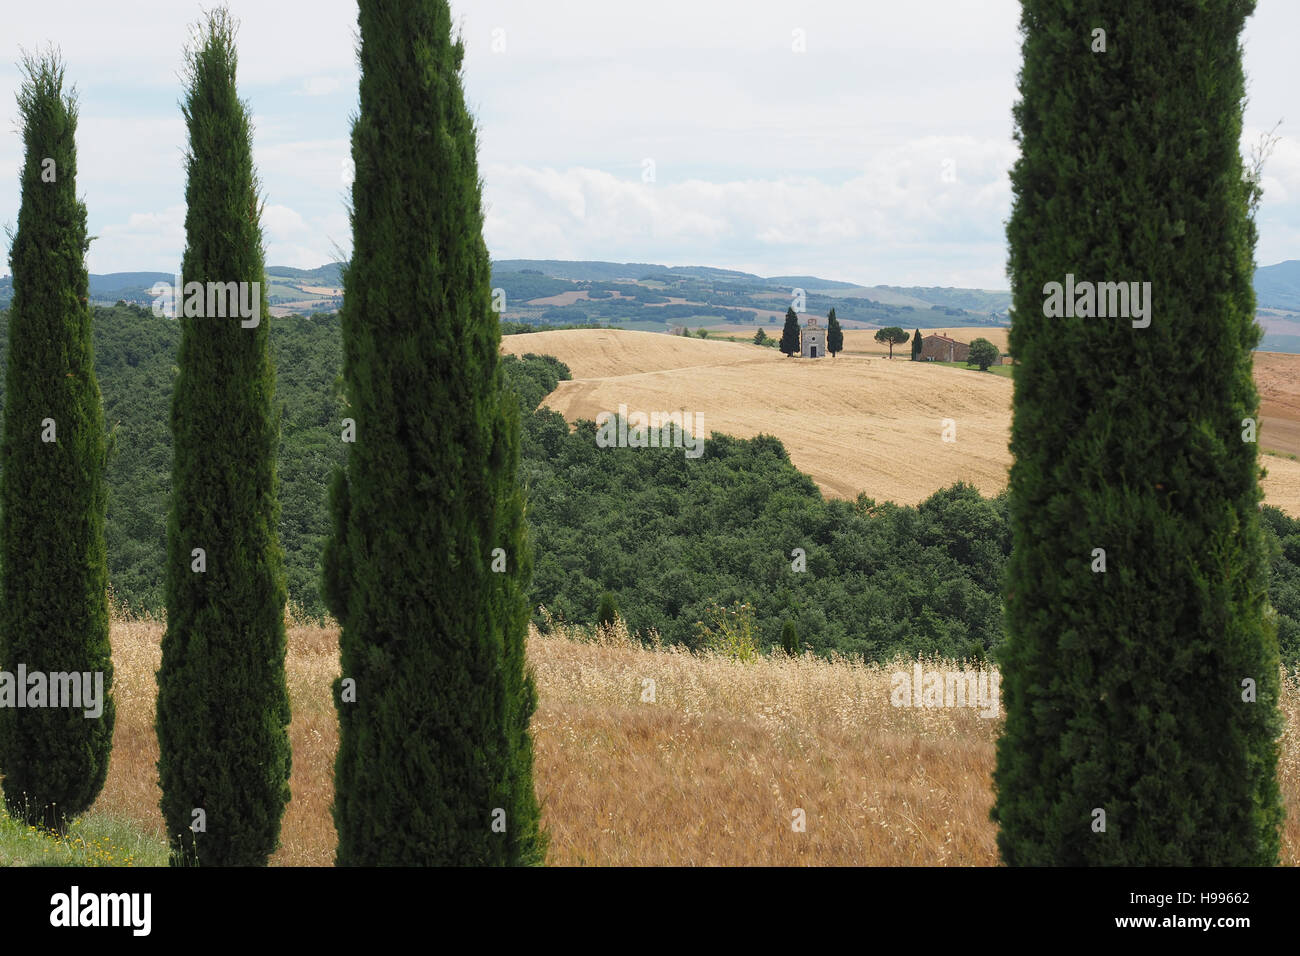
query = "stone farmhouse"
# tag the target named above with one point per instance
(940, 348)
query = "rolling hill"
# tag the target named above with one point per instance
(653, 297)
(857, 423)
(1278, 286)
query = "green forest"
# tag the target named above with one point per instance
(665, 535)
(135, 361)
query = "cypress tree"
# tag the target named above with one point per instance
(54, 604)
(428, 565)
(916, 346)
(790, 638)
(790, 334)
(223, 704)
(834, 335)
(607, 612)
(1141, 666)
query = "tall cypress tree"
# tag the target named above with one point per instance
(54, 602)
(1141, 666)
(917, 345)
(223, 704)
(428, 566)
(790, 333)
(834, 334)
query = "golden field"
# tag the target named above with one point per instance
(863, 341)
(856, 423)
(709, 773)
(712, 770)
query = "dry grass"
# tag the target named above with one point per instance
(601, 353)
(712, 771)
(1277, 377)
(709, 773)
(856, 423)
(307, 835)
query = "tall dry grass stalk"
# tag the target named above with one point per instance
(710, 772)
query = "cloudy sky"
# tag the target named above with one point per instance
(682, 133)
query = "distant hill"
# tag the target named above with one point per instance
(579, 271)
(116, 283)
(811, 282)
(326, 275)
(655, 297)
(1278, 287)
(289, 289)
(649, 297)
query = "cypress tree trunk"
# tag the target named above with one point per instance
(435, 755)
(223, 705)
(54, 604)
(1125, 688)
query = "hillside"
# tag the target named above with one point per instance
(1278, 286)
(654, 297)
(289, 291)
(601, 353)
(665, 533)
(857, 423)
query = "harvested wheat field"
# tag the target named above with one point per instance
(1277, 376)
(853, 423)
(709, 772)
(601, 353)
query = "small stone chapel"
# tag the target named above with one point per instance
(812, 339)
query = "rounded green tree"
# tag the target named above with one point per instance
(983, 353)
(892, 336)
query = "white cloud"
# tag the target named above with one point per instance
(282, 223)
(145, 242)
(900, 199)
(828, 162)
(320, 85)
